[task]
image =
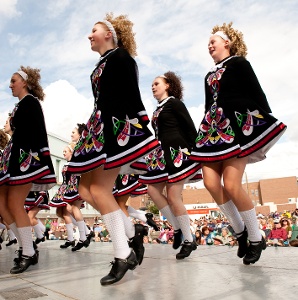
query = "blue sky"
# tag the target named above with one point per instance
(171, 35)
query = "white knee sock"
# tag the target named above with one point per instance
(41, 226)
(74, 221)
(81, 226)
(128, 226)
(167, 212)
(11, 234)
(184, 223)
(38, 232)
(115, 226)
(87, 230)
(138, 214)
(26, 238)
(250, 219)
(2, 226)
(231, 212)
(69, 229)
(14, 229)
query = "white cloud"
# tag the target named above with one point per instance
(64, 107)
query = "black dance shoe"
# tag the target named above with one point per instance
(151, 222)
(80, 244)
(67, 244)
(136, 243)
(254, 252)
(90, 236)
(17, 259)
(38, 240)
(24, 263)
(14, 241)
(186, 249)
(119, 268)
(242, 243)
(177, 238)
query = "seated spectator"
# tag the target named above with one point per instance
(105, 236)
(295, 213)
(207, 237)
(294, 229)
(264, 226)
(278, 235)
(198, 237)
(285, 223)
(165, 235)
(225, 238)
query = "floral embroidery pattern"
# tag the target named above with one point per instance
(249, 120)
(178, 156)
(217, 129)
(28, 159)
(127, 128)
(155, 160)
(72, 184)
(92, 138)
(5, 158)
(95, 77)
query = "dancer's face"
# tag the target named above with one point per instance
(99, 38)
(7, 128)
(218, 48)
(17, 85)
(159, 88)
(67, 153)
(75, 135)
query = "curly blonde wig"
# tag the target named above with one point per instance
(123, 27)
(33, 80)
(175, 85)
(237, 45)
(3, 139)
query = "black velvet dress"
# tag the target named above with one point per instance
(176, 132)
(237, 121)
(116, 133)
(27, 158)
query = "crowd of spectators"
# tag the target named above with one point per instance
(279, 229)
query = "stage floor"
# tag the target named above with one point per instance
(211, 272)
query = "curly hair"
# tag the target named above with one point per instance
(3, 139)
(33, 82)
(237, 44)
(123, 27)
(80, 128)
(175, 85)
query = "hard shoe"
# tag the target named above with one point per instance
(177, 238)
(90, 236)
(80, 244)
(38, 240)
(186, 249)
(151, 222)
(242, 243)
(24, 263)
(17, 259)
(254, 252)
(119, 268)
(67, 244)
(14, 241)
(136, 243)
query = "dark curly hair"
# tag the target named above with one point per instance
(3, 139)
(33, 82)
(236, 45)
(175, 85)
(81, 128)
